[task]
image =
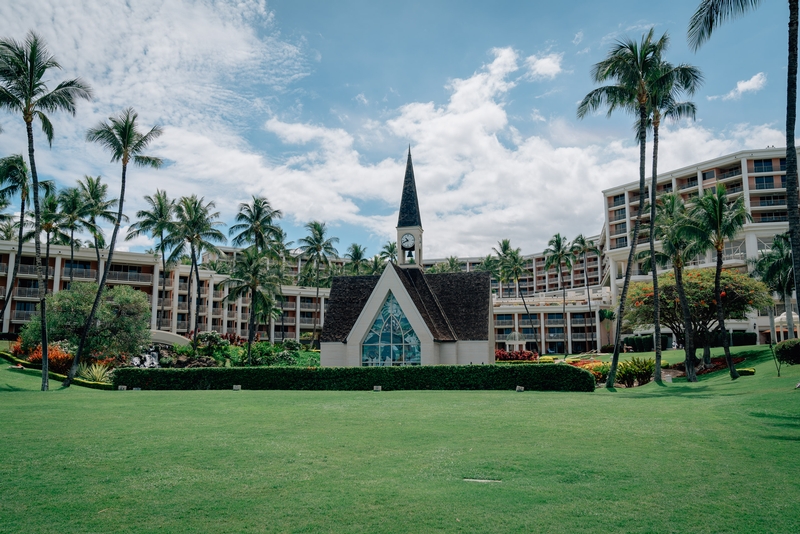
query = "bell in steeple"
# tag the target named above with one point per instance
(409, 223)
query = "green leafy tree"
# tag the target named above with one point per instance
(120, 136)
(558, 255)
(502, 250)
(490, 264)
(318, 249)
(389, 252)
(714, 221)
(99, 208)
(53, 228)
(711, 14)
(23, 90)
(15, 180)
(775, 268)
(631, 67)
(157, 222)
(581, 247)
(255, 224)
(357, 256)
(76, 217)
(196, 227)
(513, 267)
(376, 265)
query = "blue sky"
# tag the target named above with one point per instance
(313, 104)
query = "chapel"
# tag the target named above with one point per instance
(405, 316)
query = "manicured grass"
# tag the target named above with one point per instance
(677, 356)
(717, 456)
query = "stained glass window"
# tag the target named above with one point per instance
(391, 340)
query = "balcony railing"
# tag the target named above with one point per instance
(217, 312)
(166, 325)
(731, 173)
(504, 322)
(288, 305)
(230, 331)
(121, 276)
(555, 336)
(161, 281)
(308, 305)
(218, 294)
(183, 325)
(307, 320)
(28, 269)
(767, 185)
(772, 202)
(183, 286)
(26, 292)
(3, 268)
(554, 322)
(23, 315)
(687, 185)
(86, 274)
(772, 218)
(183, 306)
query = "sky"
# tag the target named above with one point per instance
(313, 104)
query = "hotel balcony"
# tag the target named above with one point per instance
(22, 315)
(26, 293)
(218, 295)
(161, 282)
(79, 274)
(308, 321)
(504, 322)
(3, 268)
(139, 278)
(183, 325)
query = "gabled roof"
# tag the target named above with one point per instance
(349, 295)
(409, 205)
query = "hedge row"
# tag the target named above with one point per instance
(788, 351)
(54, 376)
(497, 377)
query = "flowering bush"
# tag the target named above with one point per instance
(502, 355)
(596, 367)
(58, 359)
(16, 349)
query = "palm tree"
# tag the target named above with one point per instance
(195, 227)
(513, 266)
(714, 221)
(254, 224)
(122, 138)
(709, 15)
(376, 265)
(53, 228)
(671, 225)
(100, 208)
(630, 66)
(557, 254)
(775, 268)
(76, 213)
(253, 276)
(580, 248)
(158, 223)
(389, 252)
(7, 229)
(502, 250)
(23, 66)
(357, 256)
(16, 180)
(319, 249)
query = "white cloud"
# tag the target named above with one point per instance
(537, 116)
(578, 38)
(754, 84)
(361, 99)
(544, 67)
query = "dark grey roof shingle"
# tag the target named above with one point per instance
(409, 205)
(349, 294)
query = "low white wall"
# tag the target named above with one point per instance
(333, 354)
(474, 352)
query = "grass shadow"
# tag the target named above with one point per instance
(10, 388)
(782, 438)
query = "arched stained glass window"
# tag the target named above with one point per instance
(391, 340)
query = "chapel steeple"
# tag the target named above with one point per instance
(409, 223)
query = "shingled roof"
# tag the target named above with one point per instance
(454, 306)
(409, 205)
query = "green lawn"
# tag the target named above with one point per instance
(716, 456)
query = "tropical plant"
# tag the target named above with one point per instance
(389, 252)
(23, 67)
(558, 255)
(376, 265)
(254, 277)
(357, 256)
(95, 372)
(714, 221)
(7, 229)
(157, 221)
(120, 136)
(630, 66)
(317, 248)
(195, 227)
(75, 211)
(503, 249)
(255, 224)
(709, 15)
(490, 264)
(53, 228)
(100, 208)
(581, 247)
(775, 268)
(514, 266)
(16, 180)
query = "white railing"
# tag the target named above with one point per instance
(89, 274)
(120, 276)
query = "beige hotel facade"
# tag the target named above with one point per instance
(757, 175)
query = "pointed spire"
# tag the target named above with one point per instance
(409, 205)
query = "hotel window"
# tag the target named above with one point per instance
(391, 341)
(764, 182)
(783, 164)
(618, 200)
(762, 165)
(708, 175)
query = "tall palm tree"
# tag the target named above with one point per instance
(7, 228)
(100, 208)
(389, 252)
(513, 266)
(357, 255)
(254, 276)
(255, 224)
(157, 221)
(76, 213)
(714, 221)
(120, 136)
(630, 66)
(16, 180)
(558, 255)
(23, 67)
(376, 265)
(581, 247)
(53, 228)
(319, 249)
(667, 85)
(709, 15)
(195, 227)
(775, 268)
(671, 225)
(502, 250)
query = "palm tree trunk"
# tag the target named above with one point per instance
(772, 336)
(787, 304)
(163, 282)
(251, 326)
(589, 298)
(726, 342)
(197, 301)
(564, 309)
(72, 255)
(38, 247)
(98, 296)
(97, 253)
(47, 262)
(656, 303)
(791, 152)
(688, 328)
(16, 259)
(612, 374)
(530, 320)
(316, 315)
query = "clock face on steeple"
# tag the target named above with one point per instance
(407, 241)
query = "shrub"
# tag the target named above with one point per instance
(597, 368)
(546, 359)
(291, 344)
(58, 360)
(626, 374)
(635, 370)
(95, 373)
(452, 377)
(607, 348)
(746, 371)
(788, 351)
(515, 355)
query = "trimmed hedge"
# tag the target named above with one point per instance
(460, 377)
(788, 351)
